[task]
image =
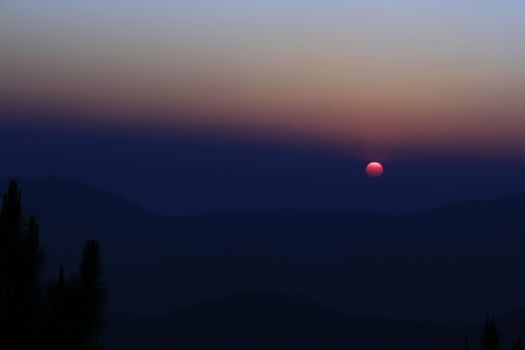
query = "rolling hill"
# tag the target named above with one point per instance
(459, 260)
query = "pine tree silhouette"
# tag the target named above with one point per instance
(21, 262)
(467, 345)
(68, 313)
(87, 296)
(95, 345)
(491, 340)
(518, 345)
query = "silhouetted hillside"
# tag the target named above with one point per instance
(286, 232)
(462, 259)
(269, 320)
(98, 209)
(58, 200)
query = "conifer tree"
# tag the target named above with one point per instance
(21, 263)
(467, 345)
(491, 340)
(87, 295)
(69, 313)
(518, 345)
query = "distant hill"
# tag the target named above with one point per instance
(459, 260)
(270, 320)
(61, 204)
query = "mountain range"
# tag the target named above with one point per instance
(457, 261)
(271, 320)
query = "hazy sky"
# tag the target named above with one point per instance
(383, 75)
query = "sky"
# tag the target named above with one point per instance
(188, 107)
(372, 76)
(191, 107)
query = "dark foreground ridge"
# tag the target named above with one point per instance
(271, 320)
(455, 263)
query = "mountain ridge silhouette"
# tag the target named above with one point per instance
(511, 199)
(267, 319)
(431, 264)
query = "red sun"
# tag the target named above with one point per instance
(374, 169)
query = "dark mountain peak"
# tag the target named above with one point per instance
(290, 214)
(52, 195)
(257, 301)
(73, 194)
(252, 315)
(514, 200)
(253, 319)
(507, 205)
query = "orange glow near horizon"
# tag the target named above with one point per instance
(377, 76)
